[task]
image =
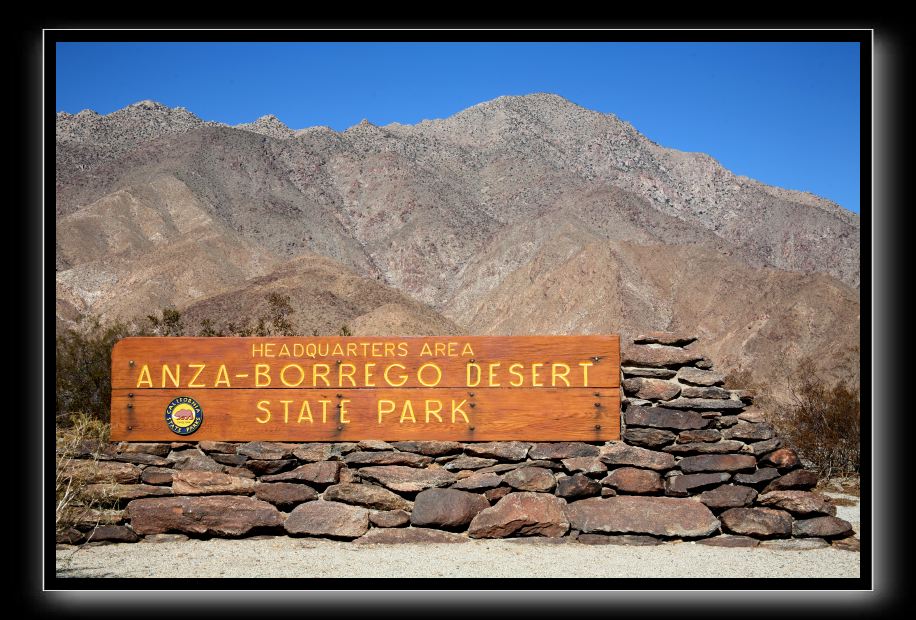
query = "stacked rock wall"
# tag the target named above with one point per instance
(696, 461)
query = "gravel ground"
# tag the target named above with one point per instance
(301, 557)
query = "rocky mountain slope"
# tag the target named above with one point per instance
(518, 215)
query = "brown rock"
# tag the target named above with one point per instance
(415, 535)
(704, 364)
(633, 514)
(233, 460)
(525, 514)
(681, 486)
(502, 450)
(408, 479)
(387, 458)
(366, 495)
(660, 417)
(632, 480)
(105, 491)
(608, 492)
(269, 467)
(314, 452)
(720, 447)
(83, 516)
(760, 448)
(113, 533)
(728, 496)
(798, 479)
(479, 481)
(700, 377)
(822, 527)
(651, 389)
(798, 502)
(618, 453)
(701, 404)
(761, 475)
(504, 467)
(576, 486)
(585, 464)
(138, 458)
(677, 339)
(223, 447)
(494, 495)
(469, 462)
(446, 508)
(729, 540)
(757, 521)
(693, 391)
(648, 437)
(374, 444)
(156, 449)
(717, 462)
(726, 421)
(562, 450)
(157, 475)
(389, 518)
(706, 435)
(747, 431)
(784, 458)
(70, 536)
(239, 472)
(210, 483)
(847, 544)
(322, 472)
(428, 448)
(266, 451)
(530, 479)
(285, 495)
(191, 459)
(655, 373)
(226, 515)
(657, 356)
(101, 471)
(322, 518)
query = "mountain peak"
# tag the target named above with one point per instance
(149, 104)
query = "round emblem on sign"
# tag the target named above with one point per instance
(184, 415)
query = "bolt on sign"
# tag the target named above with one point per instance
(475, 388)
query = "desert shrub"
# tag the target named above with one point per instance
(345, 331)
(83, 437)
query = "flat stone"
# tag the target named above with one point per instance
(408, 479)
(705, 435)
(101, 471)
(266, 451)
(846, 544)
(233, 460)
(822, 527)
(657, 356)
(240, 472)
(83, 516)
(784, 458)
(322, 472)
(618, 453)
(747, 431)
(677, 339)
(410, 535)
(585, 464)
(729, 540)
(374, 444)
(502, 450)
(695, 391)
(681, 486)
(524, 514)
(661, 417)
(446, 508)
(760, 448)
(648, 437)
(530, 479)
(323, 518)
(210, 483)
(106, 491)
(113, 533)
(619, 539)
(469, 462)
(794, 544)
(761, 475)
(479, 481)
(798, 502)
(156, 449)
(634, 514)
(705, 363)
(285, 495)
(496, 494)
(500, 468)
(728, 496)
(717, 462)
(720, 447)
(632, 480)
(191, 459)
(651, 389)
(561, 450)
(227, 515)
(387, 458)
(753, 415)
(70, 536)
(699, 404)
(757, 521)
(157, 475)
(314, 452)
(576, 486)
(389, 518)
(366, 495)
(137, 458)
(801, 479)
(164, 538)
(269, 467)
(700, 377)
(428, 448)
(655, 373)
(726, 421)
(223, 447)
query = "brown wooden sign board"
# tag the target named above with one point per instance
(298, 389)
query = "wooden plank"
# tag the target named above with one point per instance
(230, 363)
(530, 414)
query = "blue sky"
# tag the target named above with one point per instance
(786, 114)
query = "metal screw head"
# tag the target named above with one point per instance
(597, 404)
(596, 358)
(340, 396)
(472, 360)
(131, 362)
(471, 394)
(339, 427)
(597, 393)
(130, 395)
(597, 427)
(472, 404)
(130, 405)
(470, 428)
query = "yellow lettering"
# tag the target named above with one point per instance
(268, 349)
(284, 351)
(261, 407)
(435, 411)
(288, 383)
(305, 408)
(376, 349)
(585, 366)
(408, 406)
(261, 370)
(389, 349)
(420, 375)
(222, 376)
(491, 375)
(286, 404)
(403, 375)
(534, 374)
(338, 350)
(440, 348)
(349, 375)
(367, 370)
(386, 409)
(512, 371)
(144, 380)
(200, 369)
(559, 375)
(257, 349)
(457, 409)
(324, 410)
(343, 411)
(322, 375)
(477, 380)
(402, 349)
(298, 349)
(425, 350)
(467, 350)
(168, 371)
(351, 349)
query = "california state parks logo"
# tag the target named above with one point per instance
(184, 415)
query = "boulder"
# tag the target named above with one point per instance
(822, 527)
(757, 521)
(225, 515)
(760, 448)
(408, 479)
(446, 508)
(619, 453)
(632, 480)
(104, 492)
(524, 514)
(324, 518)
(496, 494)
(366, 495)
(190, 459)
(633, 514)
(156, 449)
(233, 460)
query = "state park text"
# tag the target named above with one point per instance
(475, 388)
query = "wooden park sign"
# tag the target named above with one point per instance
(292, 389)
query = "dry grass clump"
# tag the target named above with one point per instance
(79, 446)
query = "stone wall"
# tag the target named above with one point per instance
(696, 462)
